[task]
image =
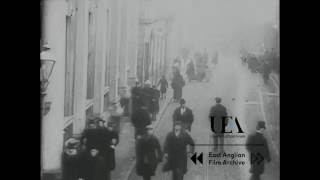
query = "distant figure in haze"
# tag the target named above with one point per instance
(191, 72)
(177, 84)
(136, 96)
(257, 146)
(163, 87)
(218, 111)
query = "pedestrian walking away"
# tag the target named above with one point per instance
(140, 120)
(178, 147)
(163, 87)
(257, 146)
(154, 109)
(148, 153)
(184, 115)
(177, 85)
(218, 112)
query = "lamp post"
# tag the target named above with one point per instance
(47, 62)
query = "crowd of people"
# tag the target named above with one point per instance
(92, 157)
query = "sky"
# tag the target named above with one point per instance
(217, 23)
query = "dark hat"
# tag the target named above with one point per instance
(261, 124)
(218, 100)
(182, 101)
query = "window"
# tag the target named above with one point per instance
(70, 66)
(91, 57)
(108, 63)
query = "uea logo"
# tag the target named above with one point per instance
(224, 123)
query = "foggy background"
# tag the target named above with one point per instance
(222, 25)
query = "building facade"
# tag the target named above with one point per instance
(97, 49)
(153, 42)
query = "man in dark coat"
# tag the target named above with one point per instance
(70, 161)
(92, 166)
(140, 120)
(177, 84)
(163, 86)
(108, 139)
(90, 136)
(147, 96)
(184, 115)
(218, 112)
(136, 96)
(149, 154)
(155, 103)
(258, 148)
(190, 71)
(175, 152)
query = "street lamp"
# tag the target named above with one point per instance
(47, 64)
(47, 61)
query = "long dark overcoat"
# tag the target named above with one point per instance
(176, 148)
(149, 154)
(177, 84)
(163, 85)
(136, 98)
(155, 101)
(70, 167)
(257, 144)
(92, 168)
(140, 118)
(106, 151)
(186, 118)
(218, 111)
(90, 138)
(147, 96)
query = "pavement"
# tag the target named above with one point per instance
(245, 97)
(125, 150)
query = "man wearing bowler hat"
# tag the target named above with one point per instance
(258, 148)
(184, 115)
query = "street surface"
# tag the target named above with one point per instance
(243, 95)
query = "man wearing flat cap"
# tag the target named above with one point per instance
(148, 153)
(71, 160)
(184, 115)
(258, 148)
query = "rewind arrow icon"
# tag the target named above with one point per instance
(194, 158)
